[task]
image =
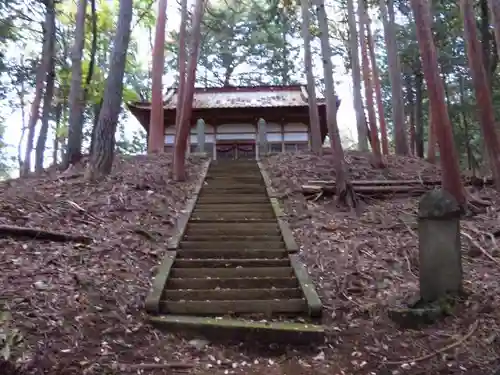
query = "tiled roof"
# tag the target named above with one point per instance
(240, 97)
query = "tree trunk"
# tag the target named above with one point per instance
(483, 93)
(356, 78)
(495, 15)
(410, 111)
(76, 104)
(101, 160)
(156, 134)
(431, 141)
(419, 114)
(449, 160)
(398, 117)
(93, 51)
(41, 75)
(187, 104)
(181, 63)
(465, 124)
(96, 108)
(372, 119)
(485, 39)
(378, 90)
(345, 193)
(55, 148)
(311, 86)
(49, 90)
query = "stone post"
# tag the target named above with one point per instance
(200, 135)
(262, 138)
(439, 246)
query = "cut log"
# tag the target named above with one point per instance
(41, 234)
(367, 190)
(475, 181)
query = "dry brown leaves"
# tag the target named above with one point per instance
(362, 265)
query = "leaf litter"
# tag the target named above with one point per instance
(363, 265)
(79, 307)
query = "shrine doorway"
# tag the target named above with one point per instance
(236, 150)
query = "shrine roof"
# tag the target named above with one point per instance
(238, 97)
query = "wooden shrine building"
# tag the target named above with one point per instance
(226, 120)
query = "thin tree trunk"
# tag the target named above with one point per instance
(356, 78)
(372, 119)
(483, 93)
(378, 90)
(49, 90)
(76, 104)
(311, 87)
(419, 114)
(55, 148)
(185, 119)
(465, 124)
(448, 155)
(431, 141)
(181, 63)
(101, 160)
(410, 111)
(35, 105)
(387, 14)
(344, 190)
(156, 137)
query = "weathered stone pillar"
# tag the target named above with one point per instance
(262, 138)
(200, 134)
(439, 246)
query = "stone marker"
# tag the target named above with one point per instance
(200, 134)
(262, 137)
(439, 246)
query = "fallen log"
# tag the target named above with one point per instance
(367, 190)
(41, 234)
(475, 181)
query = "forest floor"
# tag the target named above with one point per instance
(79, 308)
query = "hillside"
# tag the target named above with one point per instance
(363, 265)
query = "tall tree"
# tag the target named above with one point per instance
(181, 137)
(344, 189)
(156, 123)
(41, 75)
(76, 105)
(356, 78)
(372, 119)
(101, 160)
(398, 117)
(311, 87)
(378, 89)
(49, 88)
(181, 64)
(495, 13)
(442, 124)
(483, 93)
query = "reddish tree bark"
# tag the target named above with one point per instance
(156, 136)
(311, 87)
(378, 89)
(483, 93)
(449, 161)
(181, 65)
(431, 139)
(187, 103)
(372, 119)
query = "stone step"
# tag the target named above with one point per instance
(234, 283)
(233, 245)
(233, 226)
(231, 294)
(231, 237)
(231, 273)
(244, 198)
(223, 189)
(243, 207)
(233, 231)
(232, 216)
(238, 330)
(217, 263)
(232, 254)
(269, 307)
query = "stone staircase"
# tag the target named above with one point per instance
(232, 261)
